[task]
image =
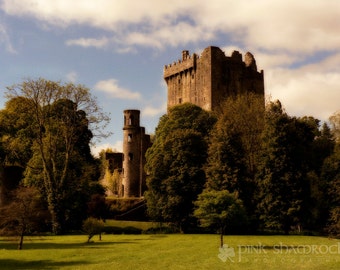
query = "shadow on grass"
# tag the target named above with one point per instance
(43, 264)
(46, 245)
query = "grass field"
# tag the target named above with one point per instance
(136, 224)
(172, 251)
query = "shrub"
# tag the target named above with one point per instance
(93, 226)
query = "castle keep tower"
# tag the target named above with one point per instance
(208, 79)
(135, 144)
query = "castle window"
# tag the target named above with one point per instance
(179, 101)
(130, 156)
(129, 137)
(130, 120)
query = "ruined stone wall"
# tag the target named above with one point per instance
(114, 162)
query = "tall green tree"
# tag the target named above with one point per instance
(234, 145)
(61, 118)
(330, 176)
(320, 151)
(175, 164)
(284, 190)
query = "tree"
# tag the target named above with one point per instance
(175, 164)
(331, 179)
(334, 219)
(330, 176)
(335, 126)
(93, 226)
(226, 168)
(184, 155)
(320, 151)
(97, 206)
(15, 143)
(16, 136)
(23, 215)
(61, 116)
(243, 114)
(218, 209)
(284, 190)
(234, 145)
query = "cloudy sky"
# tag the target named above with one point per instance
(119, 48)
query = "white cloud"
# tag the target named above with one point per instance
(105, 14)
(117, 147)
(150, 111)
(88, 42)
(309, 90)
(169, 35)
(281, 34)
(292, 26)
(114, 90)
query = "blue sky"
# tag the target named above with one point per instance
(118, 49)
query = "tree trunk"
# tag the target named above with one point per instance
(21, 240)
(55, 217)
(221, 236)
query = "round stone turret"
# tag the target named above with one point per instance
(132, 154)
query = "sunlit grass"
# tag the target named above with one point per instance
(173, 251)
(143, 225)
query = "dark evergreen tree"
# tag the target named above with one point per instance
(284, 190)
(331, 205)
(321, 149)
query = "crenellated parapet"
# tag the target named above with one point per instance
(187, 62)
(210, 78)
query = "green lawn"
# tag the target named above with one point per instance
(142, 225)
(173, 251)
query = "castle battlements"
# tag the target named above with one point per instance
(187, 62)
(210, 78)
(205, 80)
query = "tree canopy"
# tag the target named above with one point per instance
(219, 209)
(284, 188)
(175, 163)
(61, 120)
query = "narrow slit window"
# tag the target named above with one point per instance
(129, 137)
(130, 156)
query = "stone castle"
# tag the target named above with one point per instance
(210, 78)
(130, 164)
(205, 80)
